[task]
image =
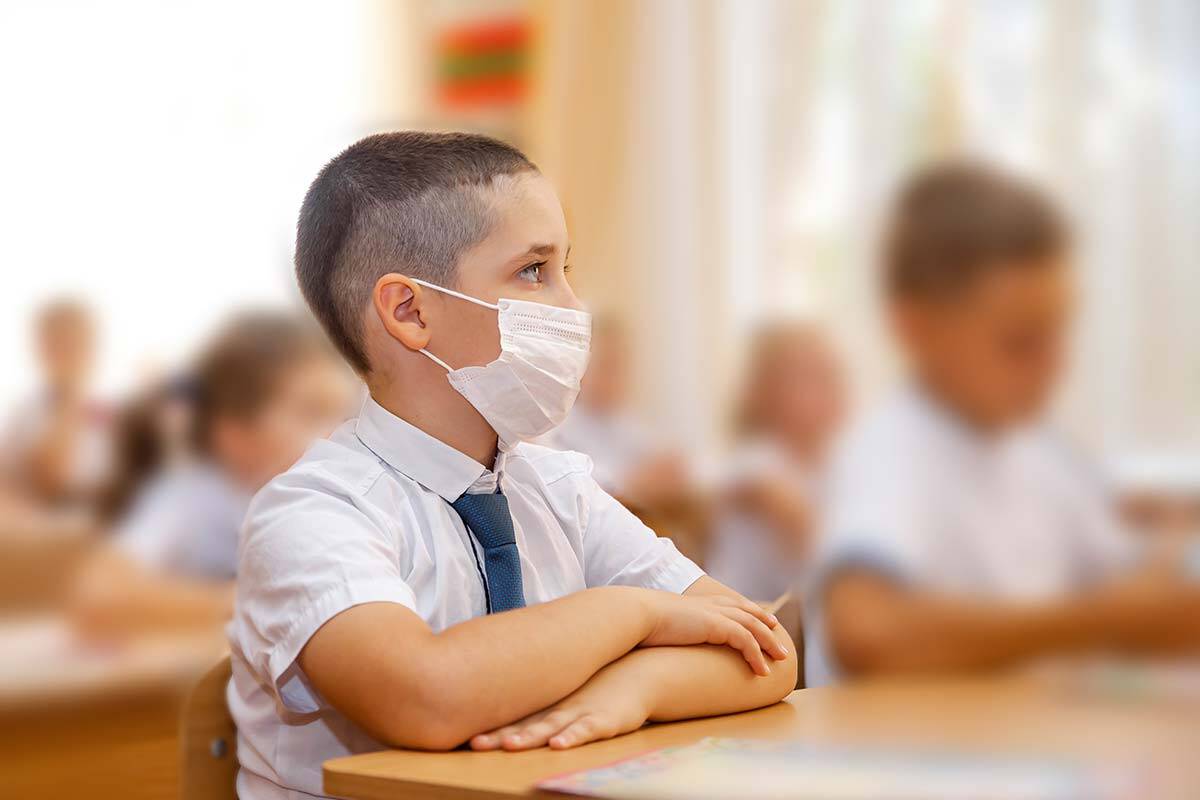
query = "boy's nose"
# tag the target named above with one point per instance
(572, 301)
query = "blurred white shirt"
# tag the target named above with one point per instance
(746, 553)
(616, 443)
(186, 522)
(366, 517)
(91, 455)
(919, 497)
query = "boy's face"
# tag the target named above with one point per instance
(65, 345)
(312, 398)
(803, 395)
(994, 350)
(523, 258)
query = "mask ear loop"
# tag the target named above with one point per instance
(435, 359)
(452, 293)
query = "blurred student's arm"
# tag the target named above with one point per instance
(878, 626)
(782, 504)
(114, 594)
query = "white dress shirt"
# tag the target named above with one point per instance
(366, 517)
(186, 522)
(918, 496)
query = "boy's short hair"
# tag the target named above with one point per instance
(63, 311)
(955, 221)
(408, 202)
(240, 370)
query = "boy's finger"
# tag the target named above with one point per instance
(766, 639)
(485, 741)
(737, 637)
(758, 612)
(587, 728)
(538, 733)
(490, 740)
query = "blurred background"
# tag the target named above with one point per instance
(720, 163)
(724, 167)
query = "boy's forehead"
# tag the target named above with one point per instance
(528, 214)
(1012, 284)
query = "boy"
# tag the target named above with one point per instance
(56, 447)
(961, 534)
(425, 578)
(259, 393)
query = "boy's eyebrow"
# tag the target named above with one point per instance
(542, 250)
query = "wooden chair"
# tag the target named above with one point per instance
(208, 739)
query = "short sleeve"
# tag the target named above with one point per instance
(307, 554)
(870, 521)
(145, 532)
(620, 550)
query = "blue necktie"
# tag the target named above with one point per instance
(488, 517)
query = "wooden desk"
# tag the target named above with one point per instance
(39, 555)
(82, 721)
(1013, 716)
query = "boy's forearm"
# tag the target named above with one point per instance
(883, 629)
(502, 667)
(703, 680)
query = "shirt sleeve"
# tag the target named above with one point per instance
(619, 550)
(307, 554)
(153, 523)
(871, 520)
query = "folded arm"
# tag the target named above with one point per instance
(657, 684)
(115, 595)
(877, 626)
(416, 688)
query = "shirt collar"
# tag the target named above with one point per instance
(430, 462)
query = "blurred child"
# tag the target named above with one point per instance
(192, 455)
(1159, 494)
(426, 577)
(791, 408)
(961, 532)
(629, 460)
(56, 447)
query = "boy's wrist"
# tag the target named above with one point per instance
(638, 604)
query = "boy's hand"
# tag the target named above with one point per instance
(715, 619)
(612, 702)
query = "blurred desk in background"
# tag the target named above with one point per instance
(82, 720)
(1011, 716)
(40, 554)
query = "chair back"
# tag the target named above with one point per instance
(208, 739)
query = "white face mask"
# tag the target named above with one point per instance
(529, 389)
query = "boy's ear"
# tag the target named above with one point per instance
(399, 304)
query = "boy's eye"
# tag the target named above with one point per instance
(532, 273)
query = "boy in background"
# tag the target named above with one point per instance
(961, 533)
(56, 447)
(792, 405)
(629, 459)
(425, 577)
(260, 392)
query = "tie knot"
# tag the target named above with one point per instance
(488, 517)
